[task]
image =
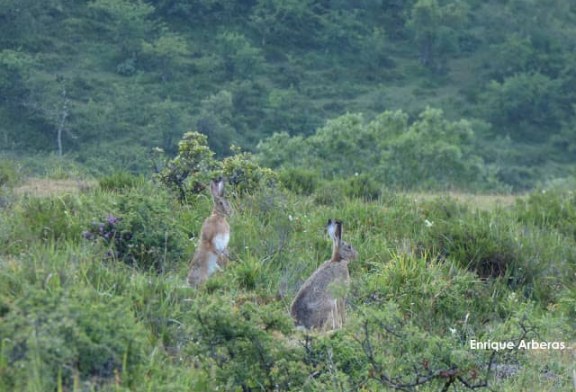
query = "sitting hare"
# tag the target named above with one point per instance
(212, 252)
(316, 306)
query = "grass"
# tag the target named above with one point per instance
(75, 318)
(45, 187)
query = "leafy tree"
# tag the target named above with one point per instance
(240, 58)
(215, 120)
(193, 168)
(166, 53)
(436, 28)
(130, 25)
(525, 105)
(431, 153)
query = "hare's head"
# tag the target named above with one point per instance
(221, 205)
(341, 250)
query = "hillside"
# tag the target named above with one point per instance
(103, 82)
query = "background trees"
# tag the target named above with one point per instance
(138, 74)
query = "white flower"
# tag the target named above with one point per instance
(428, 223)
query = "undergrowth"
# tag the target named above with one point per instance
(114, 313)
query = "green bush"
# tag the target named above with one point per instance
(299, 180)
(245, 175)
(363, 186)
(330, 193)
(236, 345)
(119, 181)
(8, 173)
(51, 218)
(142, 231)
(192, 169)
(495, 246)
(56, 340)
(551, 209)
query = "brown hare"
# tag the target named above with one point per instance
(212, 252)
(316, 306)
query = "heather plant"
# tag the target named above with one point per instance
(141, 233)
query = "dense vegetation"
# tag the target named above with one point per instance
(311, 110)
(93, 293)
(104, 81)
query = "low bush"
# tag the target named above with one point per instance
(119, 181)
(8, 173)
(142, 231)
(299, 181)
(56, 340)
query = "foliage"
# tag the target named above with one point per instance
(105, 81)
(8, 173)
(142, 233)
(430, 153)
(420, 291)
(192, 169)
(244, 174)
(120, 181)
(550, 208)
(56, 340)
(299, 180)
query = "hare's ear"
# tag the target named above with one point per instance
(331, 228)
(338, 231)
(217, 187)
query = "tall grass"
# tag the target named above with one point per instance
(432, 275)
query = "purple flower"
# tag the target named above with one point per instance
(112, 220)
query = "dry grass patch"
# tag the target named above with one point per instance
(479, 201)
(44, 187)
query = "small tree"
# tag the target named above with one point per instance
(192, 168)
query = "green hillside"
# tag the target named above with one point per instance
(103, 82)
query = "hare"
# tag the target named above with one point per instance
(212, 252)
(316, 306)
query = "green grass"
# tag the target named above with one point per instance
(74, 318)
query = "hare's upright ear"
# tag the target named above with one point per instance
(338, 232)
(217, 187)
(331, 228)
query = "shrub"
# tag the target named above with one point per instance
(51, 219)
(119, 181)
(143, 231)
(56, 339)
(244, 174)
(194, 166)
(362, 186)
(299, 180)
(8, 173)
(549, 210)
(330, 193)
(237, 346)
(192, 169)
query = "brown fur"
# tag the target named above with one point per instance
(315, 306)
(208, 258)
